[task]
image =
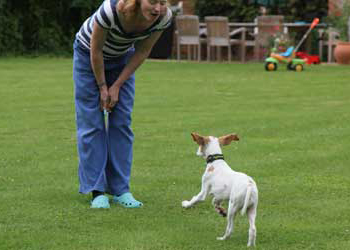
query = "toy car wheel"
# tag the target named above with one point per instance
(298, 67)
(290, 66)
(271, 66)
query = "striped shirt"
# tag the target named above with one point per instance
(118, 42)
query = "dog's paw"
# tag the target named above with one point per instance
(185, 204)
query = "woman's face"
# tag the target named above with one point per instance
(152, 9)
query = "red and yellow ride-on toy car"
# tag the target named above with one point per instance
(310, 59)
(289, 56)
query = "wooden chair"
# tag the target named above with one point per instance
(267, 26)
(187, 31)
(218, 35)
(327, 38)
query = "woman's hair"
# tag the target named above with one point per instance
(129, 7)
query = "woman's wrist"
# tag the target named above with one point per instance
(101, 85)
(117, 84)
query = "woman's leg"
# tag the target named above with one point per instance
(120, 140)
(91, 134)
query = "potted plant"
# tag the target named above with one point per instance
(340, 21)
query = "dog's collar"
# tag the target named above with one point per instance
(215, 157)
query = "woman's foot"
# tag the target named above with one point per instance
(127, 200)
(99, 200)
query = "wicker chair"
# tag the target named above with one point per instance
(187, 32)
(218, 35)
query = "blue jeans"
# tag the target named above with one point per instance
(105, 153)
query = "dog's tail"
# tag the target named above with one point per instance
(247, 198)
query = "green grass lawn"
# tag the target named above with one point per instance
(295, 137)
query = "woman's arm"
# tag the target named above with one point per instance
(142, 50)
(98, 38)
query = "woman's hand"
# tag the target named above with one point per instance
(104, 98)
(113, 92)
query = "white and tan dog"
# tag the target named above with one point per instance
(223, 183)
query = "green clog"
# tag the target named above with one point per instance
(127, 200)
(100, 201)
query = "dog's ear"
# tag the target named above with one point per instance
(198, 138)
(227, 139)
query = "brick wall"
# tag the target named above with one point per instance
(335, 6)
(188, 5)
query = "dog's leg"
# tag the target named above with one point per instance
(217, 205)
(199, 197)
(231, 213)
(251, 213)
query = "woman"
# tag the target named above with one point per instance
(109, 47)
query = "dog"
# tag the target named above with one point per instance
(223, 183)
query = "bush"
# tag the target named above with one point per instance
(39, 26)
(236, 11)
(10, 32)
(36, 26)
(246, 11)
